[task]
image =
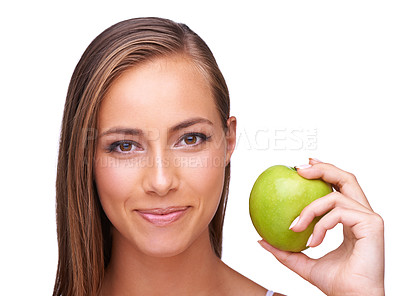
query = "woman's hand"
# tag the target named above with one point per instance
(356, 267)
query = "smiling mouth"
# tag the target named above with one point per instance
(162, 216)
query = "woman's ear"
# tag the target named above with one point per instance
(230, 138)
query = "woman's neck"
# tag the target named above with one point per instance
(196, 271)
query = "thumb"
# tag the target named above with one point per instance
(297, 262)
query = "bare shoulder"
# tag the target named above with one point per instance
(238, 284)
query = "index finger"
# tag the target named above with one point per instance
(344, 181)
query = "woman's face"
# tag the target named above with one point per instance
(161, 156)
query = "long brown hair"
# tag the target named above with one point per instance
(83, 229)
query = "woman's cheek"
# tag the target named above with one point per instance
(207, 179)
(114, 182)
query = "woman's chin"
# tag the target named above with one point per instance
(163, 249)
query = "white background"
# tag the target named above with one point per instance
(317, 78)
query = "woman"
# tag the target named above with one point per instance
(143, 176)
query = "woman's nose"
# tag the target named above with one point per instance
(160, 177)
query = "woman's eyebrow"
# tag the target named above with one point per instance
(139, 132)
(189, 122)
(122, 130)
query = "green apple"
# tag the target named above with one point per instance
(277, 198)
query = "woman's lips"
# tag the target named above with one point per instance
(162, 216)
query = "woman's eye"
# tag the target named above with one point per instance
(190, 140)
(193, 139)
(123, 147)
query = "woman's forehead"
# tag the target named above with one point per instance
(159, 92)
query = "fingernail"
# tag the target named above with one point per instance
(303, 166)
(294, 222)
(309, 241)
(315, 159)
